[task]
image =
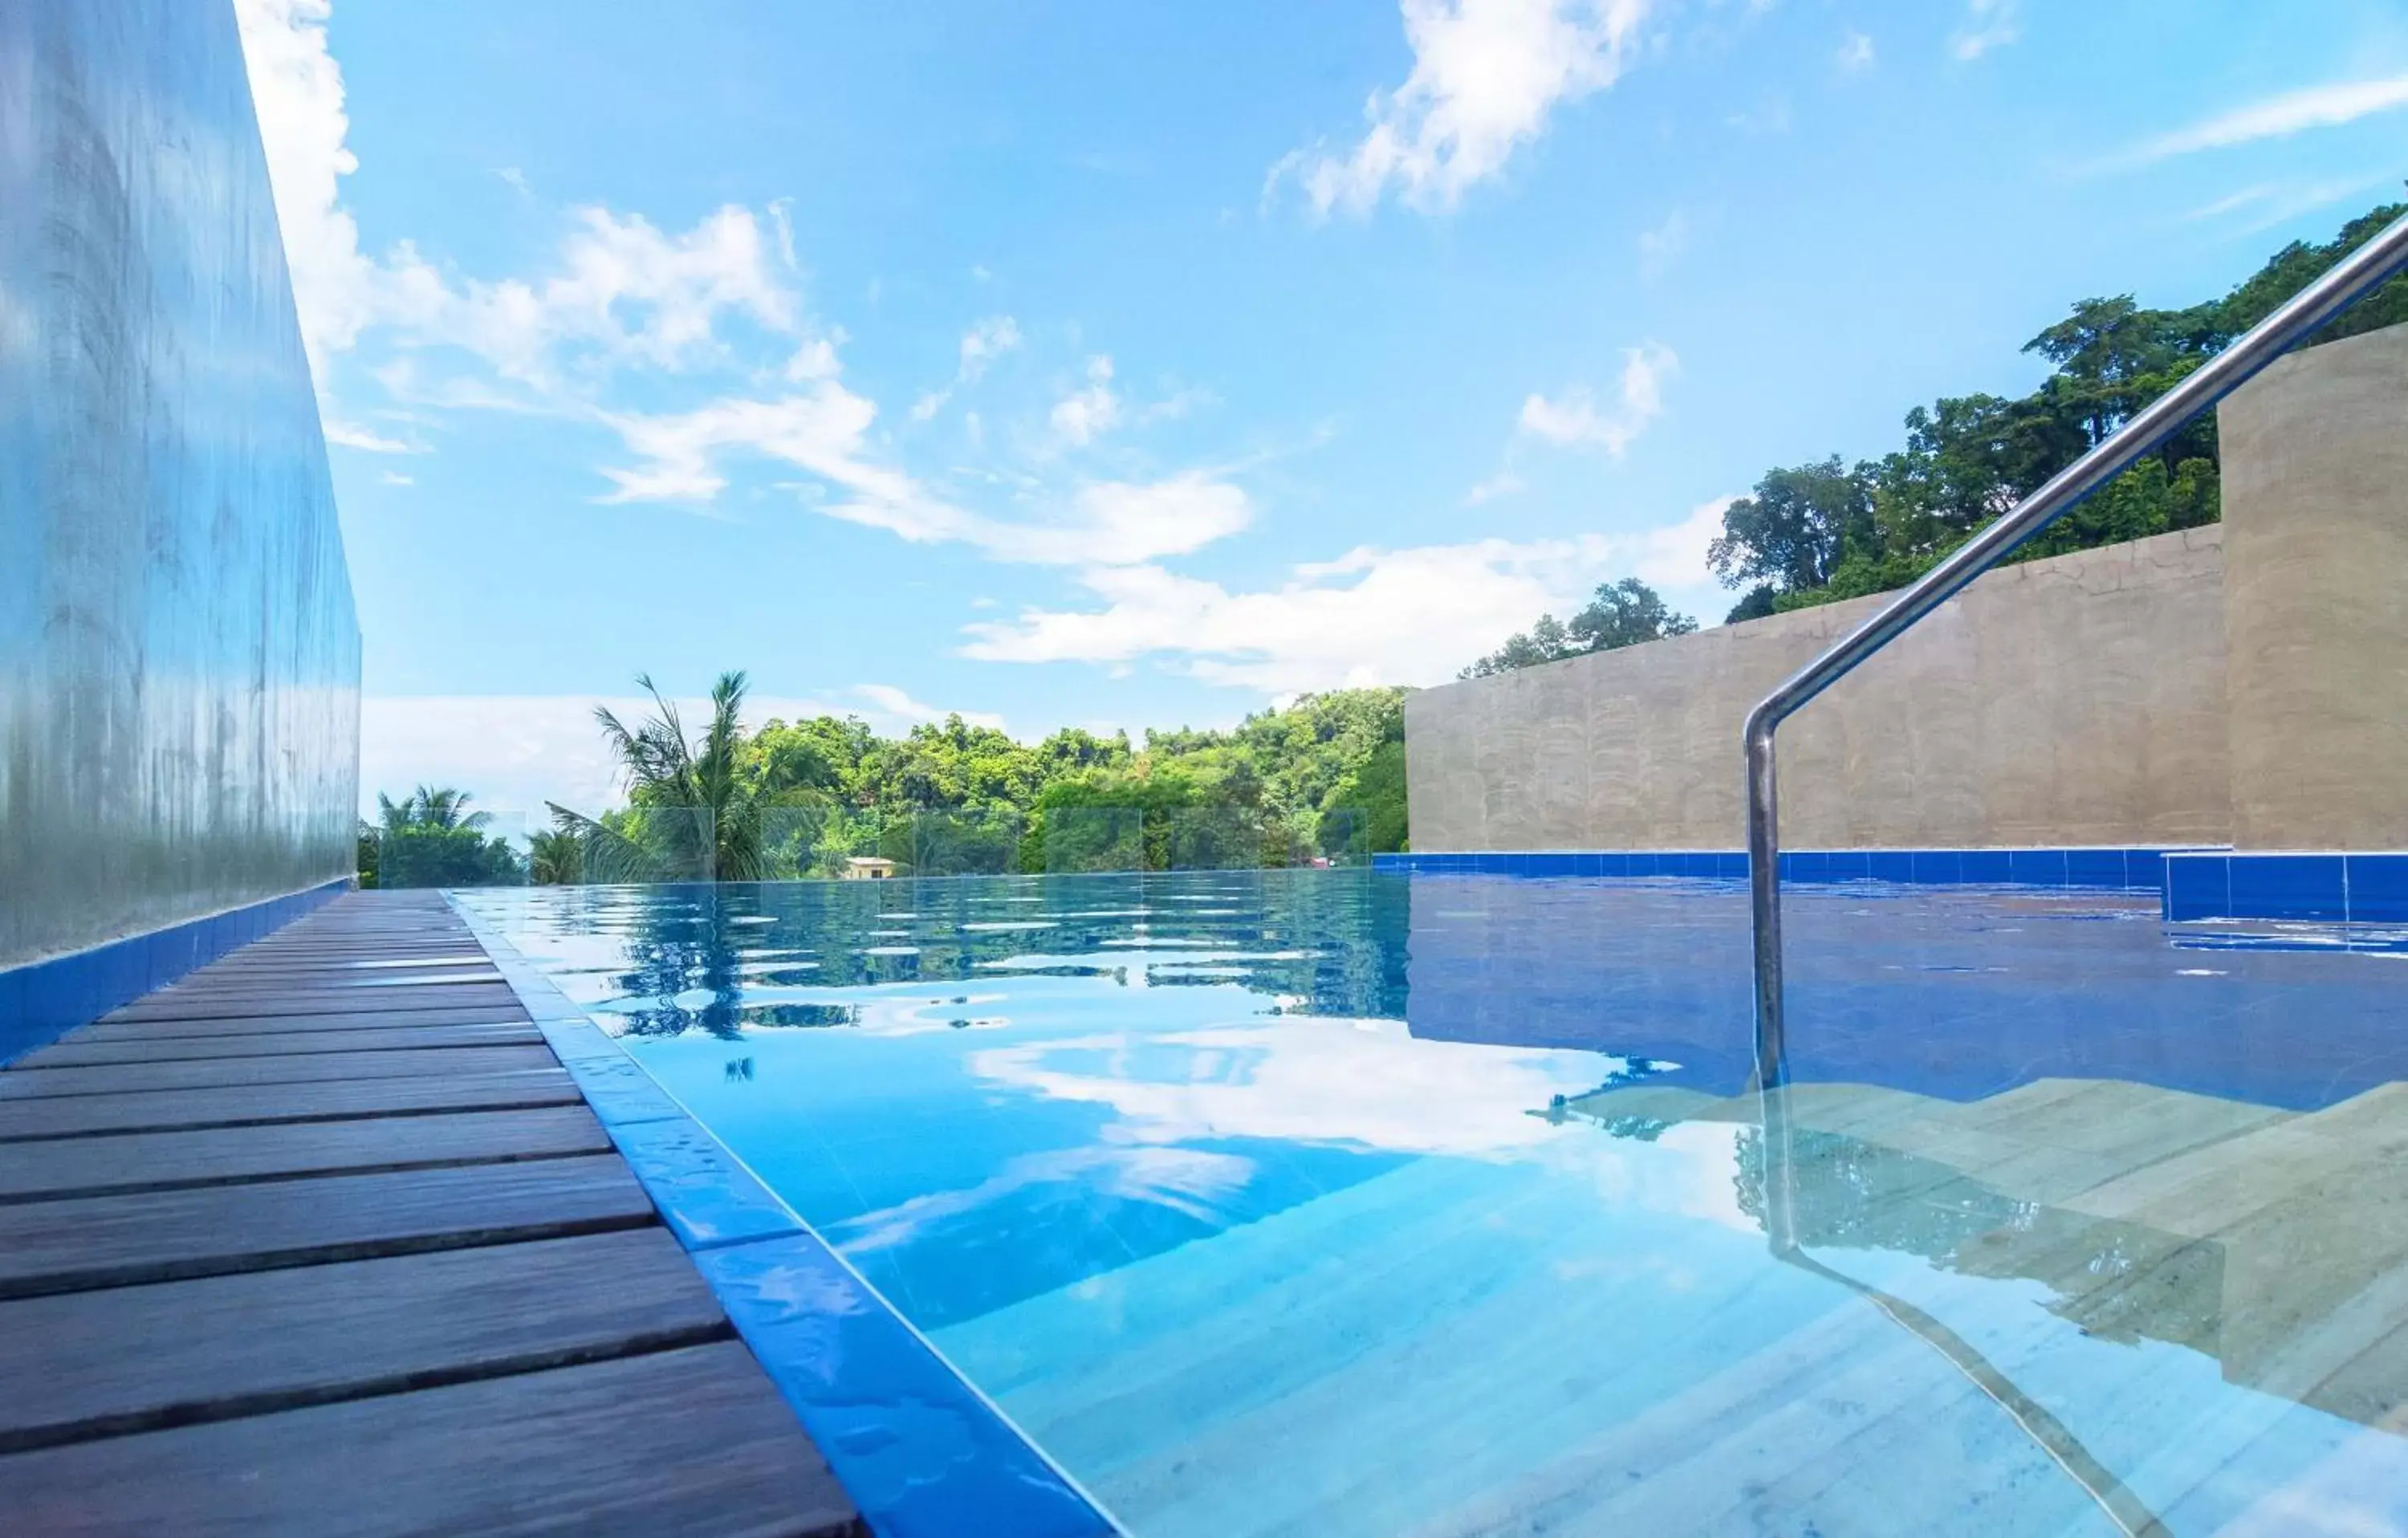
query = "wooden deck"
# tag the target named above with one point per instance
(324, 1239)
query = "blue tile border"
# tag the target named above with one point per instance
(43, 1000)
(2108, 868)
(2335, 886)
(920, 1451)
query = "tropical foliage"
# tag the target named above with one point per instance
(430, 837)
(1321, 778)
(1621, 613)
(1825, 530)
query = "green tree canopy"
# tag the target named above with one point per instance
(1623, 613)
(1825, 530)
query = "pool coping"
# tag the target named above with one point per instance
(922, 1450)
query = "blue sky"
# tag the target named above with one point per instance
(1130, 364)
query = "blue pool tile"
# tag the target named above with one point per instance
(2198, 887)
(1808, 865)
(2036, 867)
(1937, 865)
(920, 1453)
(1552, 865)
(1851, 865)
(1889, 864)
(1588, 863)
(1517, 864)
(2100, 868)
(1731, 866)
(2288, 886)
(1986, 866)
(2378, 888)
(1614, 862)
(2144, 869)
(702, 1192)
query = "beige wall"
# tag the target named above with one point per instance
(2315, 499)
(2076, 700)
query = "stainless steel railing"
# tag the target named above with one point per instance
(2353, 278)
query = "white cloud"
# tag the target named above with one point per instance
(1083, 414)
(1577, 421)
(982, 344)
(2268, 204)
(986, 342)
(821, 430)
(394, 478)
(1673, 558)
(1987, 24)
(298, 94)
(824, 433)
(1664, 245)
(1367, 1083)
(351, 435)
(624, 292)
(1487, 75)
(1503, 483)
(1856, 54)
(895, 705)
(1372, 616)
(2279, 117)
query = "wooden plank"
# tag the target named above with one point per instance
(78, 1053)
(161, 1006)
(679, 1442)
(76, 1167)
(127, 1031)
(159, 1236)
(89, 1364)
(24, 1083)
(336, 982)
(257, 1106)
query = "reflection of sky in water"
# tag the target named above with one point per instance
(1256, 1199)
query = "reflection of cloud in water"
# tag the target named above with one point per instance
(1310, 1080)
(1193, 1181)
(870, 1013)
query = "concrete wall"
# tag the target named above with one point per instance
(179, 656)
(2075, 701)
(2316, 500)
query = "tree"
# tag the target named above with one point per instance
(1365, 814)
(555, 858)
(1819, 532)
(1623, 613)
(430, 837)
(1796, 529)
(692, 815)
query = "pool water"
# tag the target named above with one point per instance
(1339, 1202)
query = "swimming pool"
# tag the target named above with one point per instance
(1345, 1202)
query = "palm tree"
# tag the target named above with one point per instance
(429, 810)
(555, 858)
(690, 813)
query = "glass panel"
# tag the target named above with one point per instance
(443, 840)
(1089, 837)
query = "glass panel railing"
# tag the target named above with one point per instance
(446, 846)
(1074, 839)
(438, 842)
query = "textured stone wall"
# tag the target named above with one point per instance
(2075, 701)
(179, 661)
(2315, 499)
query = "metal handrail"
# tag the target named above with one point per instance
(2356, 276)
